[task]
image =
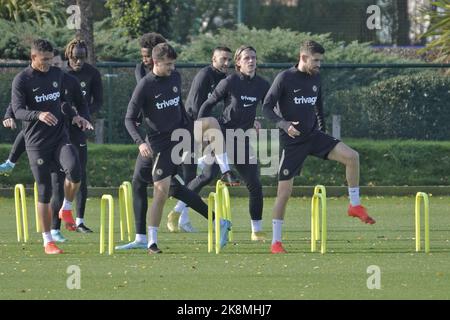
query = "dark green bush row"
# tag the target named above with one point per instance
(400, 107)
(389, 162)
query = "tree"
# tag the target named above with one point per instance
(439, 30)
(142, 16)
(36, 10)
(87, 28)
(196, 17)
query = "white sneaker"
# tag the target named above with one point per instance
(132, 245)
(187, 227)
(57, 236)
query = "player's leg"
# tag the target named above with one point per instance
(17, 149)
(67, 157)
(212, 132)
(142, 177)
(179, 191)
(350, 158)
(56, 202)
(250, 174)
(160, 195)
(291, 161)
(284, 192)
(40, 163)
(208, 174)
(178, 218)
(82, 192)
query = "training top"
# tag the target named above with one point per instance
(241, 95)
(202, 87)
(140, 72)
(34, 92)
(297, 96)
(91, 85)
(159, 100)
(73, 95)
(9, 114)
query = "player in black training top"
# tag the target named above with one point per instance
(142, 175)
(242, 92)
(75, 98)
(36, 96)
(91, 85)
(296, 93)
(158, 97)
(205, 81)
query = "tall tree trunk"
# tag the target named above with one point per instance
(87, 28)
(403, 24)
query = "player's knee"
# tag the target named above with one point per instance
(353, 157)
(44, 193)
(160, 192)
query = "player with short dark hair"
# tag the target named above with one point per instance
(297, 93)
(158, 97)
(36, 94)
(202, 87)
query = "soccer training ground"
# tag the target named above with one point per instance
(359, 258)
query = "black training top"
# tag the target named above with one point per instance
(9, 114)
(140, 71)
(91, 85)
(298, 98)
(34, 92)
(241, 94)
(73, 95)
(202, 87)
(159, 100)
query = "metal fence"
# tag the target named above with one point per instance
(119, 82)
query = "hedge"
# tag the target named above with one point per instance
(411, 107)
(391, 162)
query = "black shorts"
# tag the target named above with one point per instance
(293, 155)
(44, 162)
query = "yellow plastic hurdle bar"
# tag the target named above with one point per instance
(319, 197)
(126, 209)
(220, 201)
(419, 197)
(22, 213)
(107, 200)
(38, 224)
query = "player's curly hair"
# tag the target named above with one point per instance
(75, 43)
(150, 40)
(311, 47)
(41, 45)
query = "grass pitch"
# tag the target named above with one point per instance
(244, 270)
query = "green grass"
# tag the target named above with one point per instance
(244, 270)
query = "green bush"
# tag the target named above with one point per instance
(411, 107)
(383, 163)
(17, 37)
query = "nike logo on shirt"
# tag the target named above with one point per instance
(35, 89)
(157, 96)
(248, 105)
(297, 90)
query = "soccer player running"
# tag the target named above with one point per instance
(205, 81)
(297, 94)
(74, 95)
(142, 175)
(18, 147)
(36, 100)
(91, 85)
(158, 98)
(241, 92)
